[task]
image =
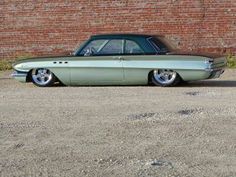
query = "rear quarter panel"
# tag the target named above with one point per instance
(137, 68)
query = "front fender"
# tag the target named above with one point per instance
(61, 72)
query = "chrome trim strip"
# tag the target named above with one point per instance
(152, 45)
(209, 70)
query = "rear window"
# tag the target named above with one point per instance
(158, 45)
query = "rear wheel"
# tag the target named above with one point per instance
(42, 77)
(165, 77)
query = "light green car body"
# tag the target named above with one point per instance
(120, 70)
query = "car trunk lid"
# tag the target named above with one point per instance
(217, 60)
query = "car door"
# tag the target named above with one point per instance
(98, 63)
(135, 70)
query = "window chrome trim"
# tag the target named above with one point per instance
(153, 44)
(103, 45)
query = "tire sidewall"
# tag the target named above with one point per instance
(173, 83)
(50, 83)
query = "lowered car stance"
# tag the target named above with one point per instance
(120, 59)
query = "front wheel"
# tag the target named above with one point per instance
(165, 77)
(42, 77)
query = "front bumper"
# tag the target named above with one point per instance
(20, 76)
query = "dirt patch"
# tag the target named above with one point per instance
(141, 116)
(118, 131)
(192, 93)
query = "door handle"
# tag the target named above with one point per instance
(119, 58)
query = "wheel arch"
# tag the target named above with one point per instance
(150, 76)
(29, 77)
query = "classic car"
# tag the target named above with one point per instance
(120, 59)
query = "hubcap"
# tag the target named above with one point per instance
(164, 76)
(41, 76)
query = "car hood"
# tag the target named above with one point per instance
(208, 55)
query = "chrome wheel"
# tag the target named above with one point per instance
(42, 77)
(165, 77)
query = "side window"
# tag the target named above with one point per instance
(114, 46)
(132, 47)
(94, 47)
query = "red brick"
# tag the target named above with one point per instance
(54, 27)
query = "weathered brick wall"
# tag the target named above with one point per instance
(55, 27)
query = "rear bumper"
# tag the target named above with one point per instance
(20, 76)
(216, 73)
(216, 67)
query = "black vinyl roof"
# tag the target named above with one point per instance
(123, 35)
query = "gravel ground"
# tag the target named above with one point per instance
(186, 131)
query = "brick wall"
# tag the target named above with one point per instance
(55, 27)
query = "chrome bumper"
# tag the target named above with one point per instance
(18, 74)
(216, 73)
